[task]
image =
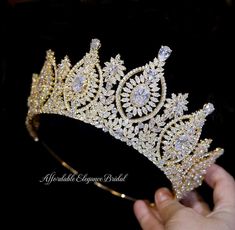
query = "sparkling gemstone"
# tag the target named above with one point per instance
(164, 53)
(78, 83)
(125, 122)
(208, 108)
(140, 95)
(141, 125)
(105, 129)
(129, 115)
(129, 142)
(118, 134)
(108, 86)
(95, 43)
(114, 110)
(113, 69)
(182, 143)
(152, 73)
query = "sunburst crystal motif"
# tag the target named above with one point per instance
(140, 94)
(113, 70)
(176, 105)
(133, 107)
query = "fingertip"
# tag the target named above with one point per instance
(139, 204)
(213, 168)
(140, 209)
(210, 173)
(223, 184)
(216, 173)
(146, 216)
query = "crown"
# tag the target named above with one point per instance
(133, 107)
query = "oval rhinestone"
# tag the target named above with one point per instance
(140, 95)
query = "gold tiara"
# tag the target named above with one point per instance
(133, 107)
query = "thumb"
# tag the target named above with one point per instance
(167, 205)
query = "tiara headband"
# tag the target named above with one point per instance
(133, 107)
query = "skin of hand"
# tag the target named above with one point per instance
(192, 212)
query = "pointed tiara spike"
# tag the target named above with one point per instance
(133, 107)
(164, 53)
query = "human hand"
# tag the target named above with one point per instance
(193, 213)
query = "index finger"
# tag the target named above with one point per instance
(223, 184)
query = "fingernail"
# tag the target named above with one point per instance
(163, 195)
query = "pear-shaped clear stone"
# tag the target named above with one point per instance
(164, 53)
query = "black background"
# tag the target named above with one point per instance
(202, 63)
